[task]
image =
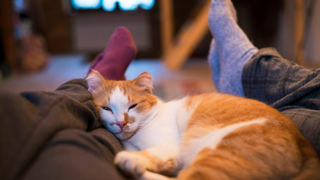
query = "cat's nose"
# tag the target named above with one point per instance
(121, 124)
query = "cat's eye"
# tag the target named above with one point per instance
(133, 106)
(106, 108)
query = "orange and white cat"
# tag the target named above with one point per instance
(207, 136)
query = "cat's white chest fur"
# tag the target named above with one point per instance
(163, 129)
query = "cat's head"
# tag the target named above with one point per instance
(124, 106)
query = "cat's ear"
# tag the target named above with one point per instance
(95, 80)
(144, 81)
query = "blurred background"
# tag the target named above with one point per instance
(44, 43)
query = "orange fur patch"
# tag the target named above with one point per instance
(258, 151)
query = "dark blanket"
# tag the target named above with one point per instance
(55, 135)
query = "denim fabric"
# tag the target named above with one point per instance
(288, 87)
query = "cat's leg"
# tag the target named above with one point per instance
(161, 160)
(154, 176)
(230, 49)
(117, 56)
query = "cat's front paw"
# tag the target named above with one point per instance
(131, 163)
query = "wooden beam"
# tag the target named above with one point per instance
(188, 38)
(166, 25)
(299, 51)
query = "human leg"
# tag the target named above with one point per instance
(308, 122)
(288, 87)
(278, 82)
(30, 119)
(230, 48)
(75, 154)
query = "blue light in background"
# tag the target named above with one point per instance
(110, 5)
(19, 6)
(86, 4)
(146, 4)
(127, 5)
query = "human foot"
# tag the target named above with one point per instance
(117, 56)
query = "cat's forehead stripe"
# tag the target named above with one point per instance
(117, 96)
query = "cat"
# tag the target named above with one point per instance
(207, 136)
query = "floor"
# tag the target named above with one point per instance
(193, 78)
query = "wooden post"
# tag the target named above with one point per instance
(299, 52)
(166, 25)
(188, 38)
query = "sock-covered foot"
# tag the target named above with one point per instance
(117, 56)
(230, 50)
(96, 60)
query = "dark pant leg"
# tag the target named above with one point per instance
(288, 87)
(280, 83)
(74, 154)
(45, 131)
(308, 121)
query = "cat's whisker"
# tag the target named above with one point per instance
(132, 127)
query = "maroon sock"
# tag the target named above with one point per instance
(117, 56)
(96, 60)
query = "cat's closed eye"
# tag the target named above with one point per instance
(133, 106)
(106, 108)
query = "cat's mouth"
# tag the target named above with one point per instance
(122, 131)
(125, 133)
(119, 132)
